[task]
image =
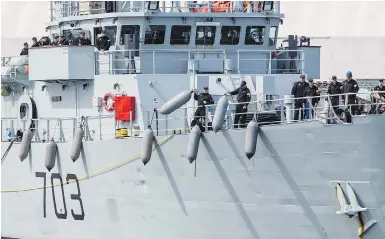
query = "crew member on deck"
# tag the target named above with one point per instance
(103, 42)
(298, 91)
(334, 89)
(24, 51)
(350, 86)
(82, 40)
(203, 99)
(35, 43)
(380, 87)
(63, 41)
(313, 92)
(243, 96)
(378, 107)
(55, 41)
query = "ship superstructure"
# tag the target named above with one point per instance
(85, 112)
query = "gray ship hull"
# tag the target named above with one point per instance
(287, 190)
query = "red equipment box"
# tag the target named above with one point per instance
(123, 106)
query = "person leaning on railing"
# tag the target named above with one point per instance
(82, 40)
(103, 42)
(378, 107)
(35, 43)
(24, 51)
(380, 87)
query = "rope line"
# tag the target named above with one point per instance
(96, 173)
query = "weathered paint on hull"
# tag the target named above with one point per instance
(285, 191)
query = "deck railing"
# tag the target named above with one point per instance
(104, 126)
(179, 61)
(60, 9)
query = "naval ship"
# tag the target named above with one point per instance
(100, 143)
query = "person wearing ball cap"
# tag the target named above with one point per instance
(299, 91)
(203, 99)
(334, 90)
(350, 86)
(243, 96)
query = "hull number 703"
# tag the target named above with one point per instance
(77, 197)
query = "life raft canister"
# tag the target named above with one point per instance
(109, 107)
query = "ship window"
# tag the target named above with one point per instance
(180, 35)
(72, 34)
(205, 35)
(128, 29)
(111, 33)
(230, 35)
(272, 35)
(155, 34)
(255, 35)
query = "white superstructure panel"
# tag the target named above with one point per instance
(62, 63)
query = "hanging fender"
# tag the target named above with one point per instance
(109, 107)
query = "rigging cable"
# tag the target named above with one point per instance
(155, 113)
(8, 149)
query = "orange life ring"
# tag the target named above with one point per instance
(111, 106)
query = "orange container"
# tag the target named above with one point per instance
(123, 106)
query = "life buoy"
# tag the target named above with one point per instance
(109, 107)
(27, 110)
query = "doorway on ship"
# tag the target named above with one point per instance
(129, 39)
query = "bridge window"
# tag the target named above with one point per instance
(230, 35)
(180, 35)
(129, 29)
(272, 36)
(72, 34)
(110, 32)
(155, 34)
(255, 35)
(205, 35)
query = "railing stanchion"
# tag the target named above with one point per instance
(153, 62)
(130, 123)
(100, 126)
(166, 124)
(187, 119)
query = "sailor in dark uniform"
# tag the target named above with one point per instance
(203, 99)
(103, 42)
(313, 92)
(380, 87)
(63, 41)
(298, 91)
(378, 107)
(35, 43)
(82, 40)
(55, 41)
(334, 89)
(350, 86)
(24, 51)
(243, 96)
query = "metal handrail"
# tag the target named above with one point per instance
(59, 135)
(280, 103)
(71, 9)
(192, 56)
